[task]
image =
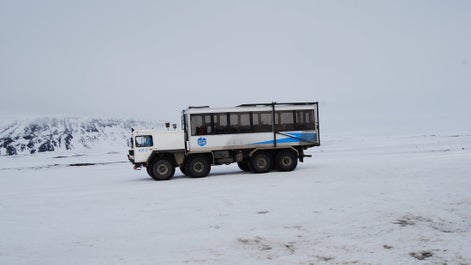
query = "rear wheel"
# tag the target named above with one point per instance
(261, 162)
(182, 169)
(197, 167)
(243, 165)
(286, 160)
(161, 169)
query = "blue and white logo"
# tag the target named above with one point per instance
(202, 141)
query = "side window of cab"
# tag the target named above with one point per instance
(144, 141)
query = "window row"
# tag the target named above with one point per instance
(250, 122)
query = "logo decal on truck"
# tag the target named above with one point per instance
(202, 141)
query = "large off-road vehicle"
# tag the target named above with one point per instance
(258, 137)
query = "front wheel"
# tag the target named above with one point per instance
(161, 169)
(197, 167)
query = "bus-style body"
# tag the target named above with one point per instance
(259, 137)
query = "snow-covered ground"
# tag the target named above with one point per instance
(358, 200)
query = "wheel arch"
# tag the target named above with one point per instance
(291, 148)
(159, 155)
(208, 155)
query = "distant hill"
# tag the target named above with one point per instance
(36, 135)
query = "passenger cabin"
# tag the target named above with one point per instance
(251, 126)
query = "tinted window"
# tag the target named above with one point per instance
(144, 141)
(262, 121)
(201, 124)
(284, 121)
(239, 122)
(244, 122)
(220, 123)
(305, 120)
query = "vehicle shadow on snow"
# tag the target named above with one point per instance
(218, 173)
(181, 176)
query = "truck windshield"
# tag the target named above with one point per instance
(144, 141)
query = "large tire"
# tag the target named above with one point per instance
(161, 169)
(149, 170)
(197, 166)
(261, 162)
(182, 169)
(243, 165)
(286, 160)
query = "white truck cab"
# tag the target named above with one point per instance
(145, 142)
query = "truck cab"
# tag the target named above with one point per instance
(147, 142)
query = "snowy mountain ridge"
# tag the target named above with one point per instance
(47, 134)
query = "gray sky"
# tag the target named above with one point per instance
(383, 66)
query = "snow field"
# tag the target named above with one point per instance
(371, 200)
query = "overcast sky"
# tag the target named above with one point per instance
(383, 66)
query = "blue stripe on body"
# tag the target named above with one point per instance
(295, 138)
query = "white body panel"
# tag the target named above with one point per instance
(207, 143)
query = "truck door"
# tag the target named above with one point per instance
(143, 147)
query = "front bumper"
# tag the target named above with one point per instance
(131, 158)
